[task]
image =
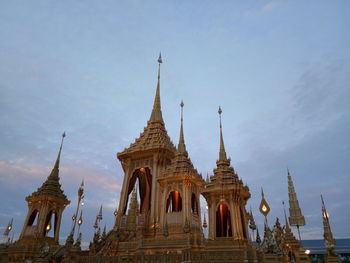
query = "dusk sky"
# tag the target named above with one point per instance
(280, 70)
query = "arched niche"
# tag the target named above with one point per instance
(144, 179)
(33, 218)
(51, 225)
(194, 204)
(223, 221)
(174, 202)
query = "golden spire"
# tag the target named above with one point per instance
(222, 153)
(181, 146)
(156, 111)
(295, 216)
(327, 232)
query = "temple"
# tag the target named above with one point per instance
(159, 217)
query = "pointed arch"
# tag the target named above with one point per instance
(144, 178)
(174, 202)
(33, 218)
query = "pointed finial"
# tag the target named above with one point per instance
(99, 216)
(222, 153)
(181, 146)
(156, 114)
(54, 172)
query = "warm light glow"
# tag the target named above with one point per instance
(9, 227)
(115, 212)
(80, 221)
(307, 252)
(73, 217)
(48, 227)
(325, 214)
(142, 170)
(264, 208)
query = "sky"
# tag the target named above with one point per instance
(280, 70)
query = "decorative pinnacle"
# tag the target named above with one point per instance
(55, 170)
(181, 147)
(222, 153)
(156, 111)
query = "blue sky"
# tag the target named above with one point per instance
(279, 69)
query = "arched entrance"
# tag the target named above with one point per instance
(144, 178)
(223, 221)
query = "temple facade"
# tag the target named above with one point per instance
(159, 215)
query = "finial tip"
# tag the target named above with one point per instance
(220, 110)
(160, 58)
(64, 134)
(182, 104)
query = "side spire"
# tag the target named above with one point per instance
(181, 146)
(296, 218)
(222, 153)
(156, 114)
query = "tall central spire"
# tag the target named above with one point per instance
(156, 111)
(222, 153)
(181, 146)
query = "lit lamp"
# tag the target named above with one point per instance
(80, 221)
(48, 227)
(264, 206)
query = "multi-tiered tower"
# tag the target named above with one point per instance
(180, 188)
(226, 197)
(145, 161)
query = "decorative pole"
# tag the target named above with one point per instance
(252, 224)
(70, 239)
(8, 230)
